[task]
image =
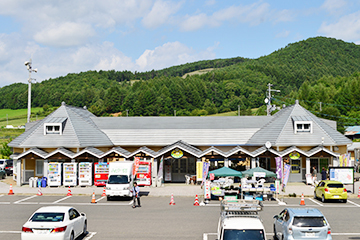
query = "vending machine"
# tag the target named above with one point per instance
(85, 174)
(70, 174)
(101, 173)
(143, 175)
(54, 174)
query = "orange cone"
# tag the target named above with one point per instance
(39, 192)
(93, 198)
(172, 202)
(359, 193)
(11, 190)
(302, 202)
(104, 192)
(69, 192)
(196, 203)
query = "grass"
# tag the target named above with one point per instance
(198, 72)
(17, 117)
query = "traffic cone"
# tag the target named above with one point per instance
(93, 198)
(172, 202)
(39, 192)
(11, 190)
(104, 192)
(302, 202)
(196, 203)
(69, 192)
(359, 193)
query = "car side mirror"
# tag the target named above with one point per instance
(82, 214)
(276, 216)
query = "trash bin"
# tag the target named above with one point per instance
(31, 182)
(44, 182)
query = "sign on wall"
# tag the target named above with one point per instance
(342, 174)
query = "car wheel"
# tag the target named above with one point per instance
(108, 198)
(323, 198)
(85, 228)
(72, 236)
(344, 200)
(315, 197)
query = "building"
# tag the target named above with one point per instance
(72, 134)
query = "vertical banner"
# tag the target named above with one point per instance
(161, 165)
(206, 166)
(207, 194)
(286, 175)
(341, 160)
(136, 165)
(277, 186)
(278, 167)
(199, 170)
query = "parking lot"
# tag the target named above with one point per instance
(156, 219)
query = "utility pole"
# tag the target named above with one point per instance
(238, 110)
(29, 68)
(320, 106)
(268, 99)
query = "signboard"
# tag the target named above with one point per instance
(294, 155)
(259, 174)
(177, 153)
(342, 174)
(199, 170)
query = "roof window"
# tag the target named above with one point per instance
(54, 126)
(302, 124)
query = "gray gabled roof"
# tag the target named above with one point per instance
(160, 131)
(280, 130)
(79, 131)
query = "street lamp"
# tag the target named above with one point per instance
(30, 80)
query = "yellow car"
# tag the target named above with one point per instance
(328, 189)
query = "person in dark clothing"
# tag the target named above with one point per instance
(136, 195)
(323, 174)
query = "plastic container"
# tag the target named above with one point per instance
(44, 182)
(39, 182)
(31, 182)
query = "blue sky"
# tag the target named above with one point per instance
(70, 36)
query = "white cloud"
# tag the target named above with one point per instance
(334, 6)
(66, 34)
(347, 28)
(283, 34)
(169, 54)
(253, 14)
(160, 13)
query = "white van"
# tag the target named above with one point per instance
(239, 219)
(120, 180)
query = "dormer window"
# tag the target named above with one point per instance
(54, 126)
(302, 124)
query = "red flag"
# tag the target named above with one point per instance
(136, 165)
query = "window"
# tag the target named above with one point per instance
(39, 167)
(47, 217)
(302, 124)
(52, 129)
(303, 127)
(309, 221)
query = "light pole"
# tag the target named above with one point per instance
(29, 68)
(268, 99)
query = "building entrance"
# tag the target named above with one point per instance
(181, 167)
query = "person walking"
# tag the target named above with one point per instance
(323, 174)
(136, 195)
(314, 173)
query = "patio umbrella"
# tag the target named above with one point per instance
(226, 172)
(250, 172)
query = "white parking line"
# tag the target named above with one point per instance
(280, 202)
(205, 235)
(353, 203)
(316, 202)
(89, 235)
(25, 199)
(61, 199)
(100, 199)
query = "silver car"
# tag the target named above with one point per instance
(301, 223)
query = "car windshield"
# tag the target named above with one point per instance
(47, 217)
(335, 185)
(235, 234)
(118, 179)
(2, 161)
(309, 222)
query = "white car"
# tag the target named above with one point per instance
(55, 222)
